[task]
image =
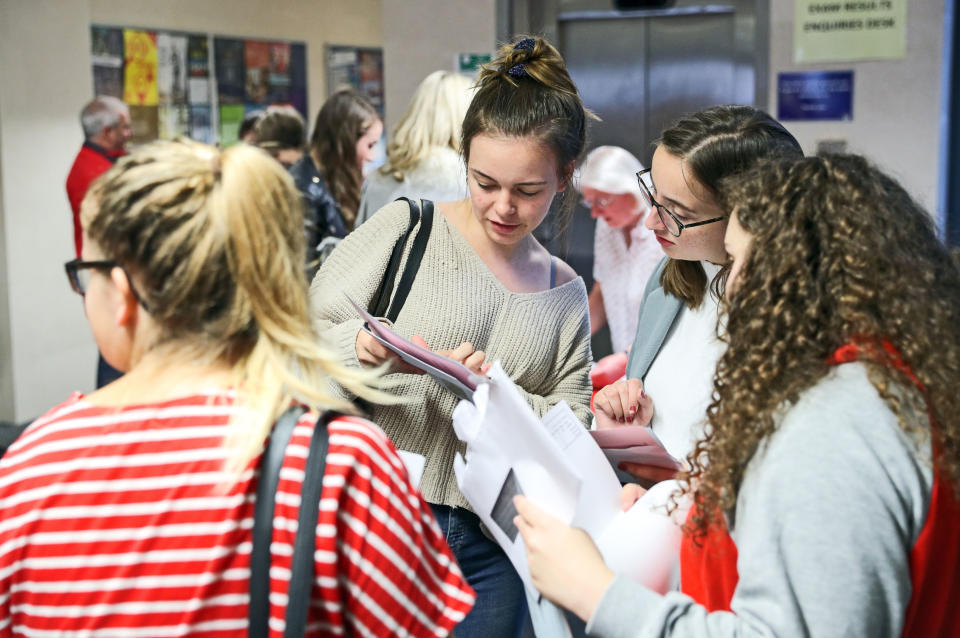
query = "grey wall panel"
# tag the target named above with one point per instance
(690, 66)
(607, 61)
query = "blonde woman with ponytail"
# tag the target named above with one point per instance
(191, 278)
(486, 290)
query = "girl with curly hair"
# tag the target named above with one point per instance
(826, 489)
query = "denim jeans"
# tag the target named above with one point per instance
(501, 608)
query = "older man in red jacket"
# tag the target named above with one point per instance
(106, 131)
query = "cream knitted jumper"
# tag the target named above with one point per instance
(542, 339)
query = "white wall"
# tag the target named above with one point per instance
(43, 83)
(46, 350)
(896, 107)
(424, 36)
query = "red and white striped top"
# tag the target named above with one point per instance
(124, 523)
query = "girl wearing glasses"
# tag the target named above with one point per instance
(827, 490)
(676, 348)
(129, 511)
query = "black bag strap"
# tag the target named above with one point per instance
(413, 261)
(301, 573)
(382, 298)
(382, 306)
(301, 578)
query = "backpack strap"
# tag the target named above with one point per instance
(301, 578)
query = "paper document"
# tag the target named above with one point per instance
(634, 444)
(556, 463)
(452, 375)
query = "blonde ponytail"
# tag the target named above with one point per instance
(216, 243)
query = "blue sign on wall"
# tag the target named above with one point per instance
(815, 95)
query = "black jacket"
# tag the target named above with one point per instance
(321, 213)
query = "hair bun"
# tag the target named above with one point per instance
(513, 58)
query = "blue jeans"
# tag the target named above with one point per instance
(501, 608)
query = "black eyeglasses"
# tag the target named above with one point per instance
(78, 273)
(673, 225)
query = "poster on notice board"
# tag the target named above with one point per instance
(167, 80)
(359, 68)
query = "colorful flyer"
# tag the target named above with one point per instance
(140, 68)
(279, 77)
(257, 59)
(228, 53)
(171, 68)
(200, 125)
(144, 122)
(174, 121)
(298, 78)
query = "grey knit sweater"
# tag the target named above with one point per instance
(542, 339)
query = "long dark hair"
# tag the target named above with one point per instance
(527, 91)
(714, 144)
(342, 121)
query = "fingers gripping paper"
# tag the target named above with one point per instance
(555, 463)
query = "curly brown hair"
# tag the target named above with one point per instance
(840, 253)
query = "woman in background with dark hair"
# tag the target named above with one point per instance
(280, 132)
(827, 489)
(330, 174)
(485, 290)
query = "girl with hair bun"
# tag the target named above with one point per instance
(827, 489)
(129, 511)
(486, 290)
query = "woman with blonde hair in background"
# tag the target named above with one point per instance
(486, 289)
(423, 158)
(330, 174)
(129, 511)
(827, 489)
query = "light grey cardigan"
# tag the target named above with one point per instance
(658, 311)
(542, 339)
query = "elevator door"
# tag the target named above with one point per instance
(638, 73)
